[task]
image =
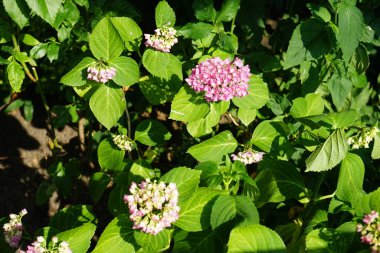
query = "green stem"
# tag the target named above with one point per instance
(233, 25)
(129, 129)
(26, 69)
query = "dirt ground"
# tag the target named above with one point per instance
(23, 161)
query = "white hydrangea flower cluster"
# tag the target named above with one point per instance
(152, 206)
(100, 74)
(248, 157)
(163, 39)
(363, 138)
(13, 229)
(40, 246)
(123, 142)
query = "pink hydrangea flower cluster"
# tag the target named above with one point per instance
(40, 246)
(152, 206)
(100, 75)
(13, 229)
(248, 157)
(370, 231)
(163, 39)
(220, 79)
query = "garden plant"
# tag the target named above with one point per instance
(202, 126)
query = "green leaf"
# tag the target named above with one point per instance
(319, 12)
(129, 31)
(228, 11)
(116, 203)
(198, 242)
(329, 154)
(195, 213)
(18, 11)
(258, 94)
(376, 148)
(351, 28)
(72, 13)
(195, 31)
(204, 10)
(79, 239)
(72, 217)
(110, 157)
(98, 184)
(39, 51)
(152, 133)
(215, 148)
(16, 75)
(351, 176)
(140, 170)
(265, 133)
(255, 238)
(306, 43)
(188, 106)
(326, 240)
(247, 115)
(360, 60)
(333, 120)
(277, 182)
(157, 90)
(29, 40)
(311, 105)
(161, 64)
(105, 42)
(186, 180)
(127, 71)
(339, 87)
(108, 104)
(227, 208)
(52, 52)
(46, 9)
(228, 42)
(117, 237)
(164, 15)
(78, 75)
(153, 243)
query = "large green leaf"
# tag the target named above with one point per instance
(164, 14)
(228, 11)
(127, 71)
(195, 213)
(246, 116)
(46, 9)
(195, 31)
(151, 133)
(351, 28)
(375, 154)
(351, 176)
(98, 184)
(255, 239)
(188, 106)
(326, 240)
(72, 217)
(105, 42)
(258, 94)
(153, 243)
(333, 120)
(110, 157)
(118, 237)
(79, 239)
(186, 180)
(129, 31)
(196, 242)
(311, 105)
(329, 154)
(278, 181)
(227, 208)
(78, 75)
(18, 11)
(204, 10)
(16, 75)
(339, 87)
(157, 90)
(108, 104)
(160, 64)
(214, 148)
(266, 132)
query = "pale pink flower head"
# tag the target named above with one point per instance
(220, 79)
(152, 206)
(101, 73)
(41, 246)
(14, 228)
(163, 39)
(248, 156)
(370, 230)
